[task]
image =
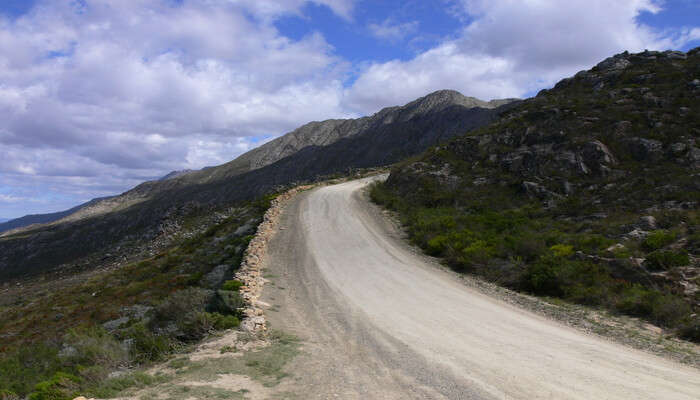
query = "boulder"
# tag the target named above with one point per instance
(647, 223)
(637, 234)
(216, 276)
(536, 190)
(615, 63)
(644, 149)
(597, 156)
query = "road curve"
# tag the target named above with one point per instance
(379, 321)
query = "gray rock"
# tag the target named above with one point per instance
(644, 149)
(67, 351)
(597, 156)
(647, 223)
(115, 323)
(216, 276)
(636, 234)
(675, 55)
(677, 149)
(615, 63)
(536, 190)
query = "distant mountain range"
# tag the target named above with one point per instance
(7, 224)
(10, 224)
(314, 150)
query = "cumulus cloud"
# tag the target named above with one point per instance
(99, 95)
(136, 88)
(391, 30)
(509, 48)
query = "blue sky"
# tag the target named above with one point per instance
(97, 96)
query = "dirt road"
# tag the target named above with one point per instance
(379, 321)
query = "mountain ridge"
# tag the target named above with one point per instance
(314, 133)
(144, 212)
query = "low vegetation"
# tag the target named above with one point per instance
(88, 336)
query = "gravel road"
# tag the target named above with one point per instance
(380, 321)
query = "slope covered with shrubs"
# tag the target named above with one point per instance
(89, 335)
(587, 192)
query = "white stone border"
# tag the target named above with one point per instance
(250, 270)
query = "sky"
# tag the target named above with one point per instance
(97, 96)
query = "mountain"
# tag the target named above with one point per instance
(175, 174)
(314, 150)
(587, 192)
(10, 224)
(101, 202)
(326, 133)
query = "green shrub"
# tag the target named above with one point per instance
(665, 259)
(232, 285)
(478, 252)
(147, 346)
(181, 305)
(94, 346)
(111, 387)
(22, 369)
(658, 239)
(562, 250)
(636, 300)
(227, 302)
(222, 322)
(542, 278)
(528, 247)
(690, 330)
(194, 326)
(61, 386)
(663, 309)
(592, 295)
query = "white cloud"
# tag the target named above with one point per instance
(4, 198)
(97, 96)
(392, 31)
(512, 47)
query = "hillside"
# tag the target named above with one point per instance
(587, 192)
(317, 149)
(10, 224)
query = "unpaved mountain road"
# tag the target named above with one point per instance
(379, 321)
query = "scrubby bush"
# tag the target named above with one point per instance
(562, 250)
(477, 252)
(663, 309)
(226, 302)
(61, 386)
(224, 321)
(690, 330)
(181, 309)
(22, 369)
(145, 345)
(93, 345)
(232, 285)
(658, 239)
(665, 259)
(542, 277)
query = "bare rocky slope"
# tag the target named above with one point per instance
(317, 149)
